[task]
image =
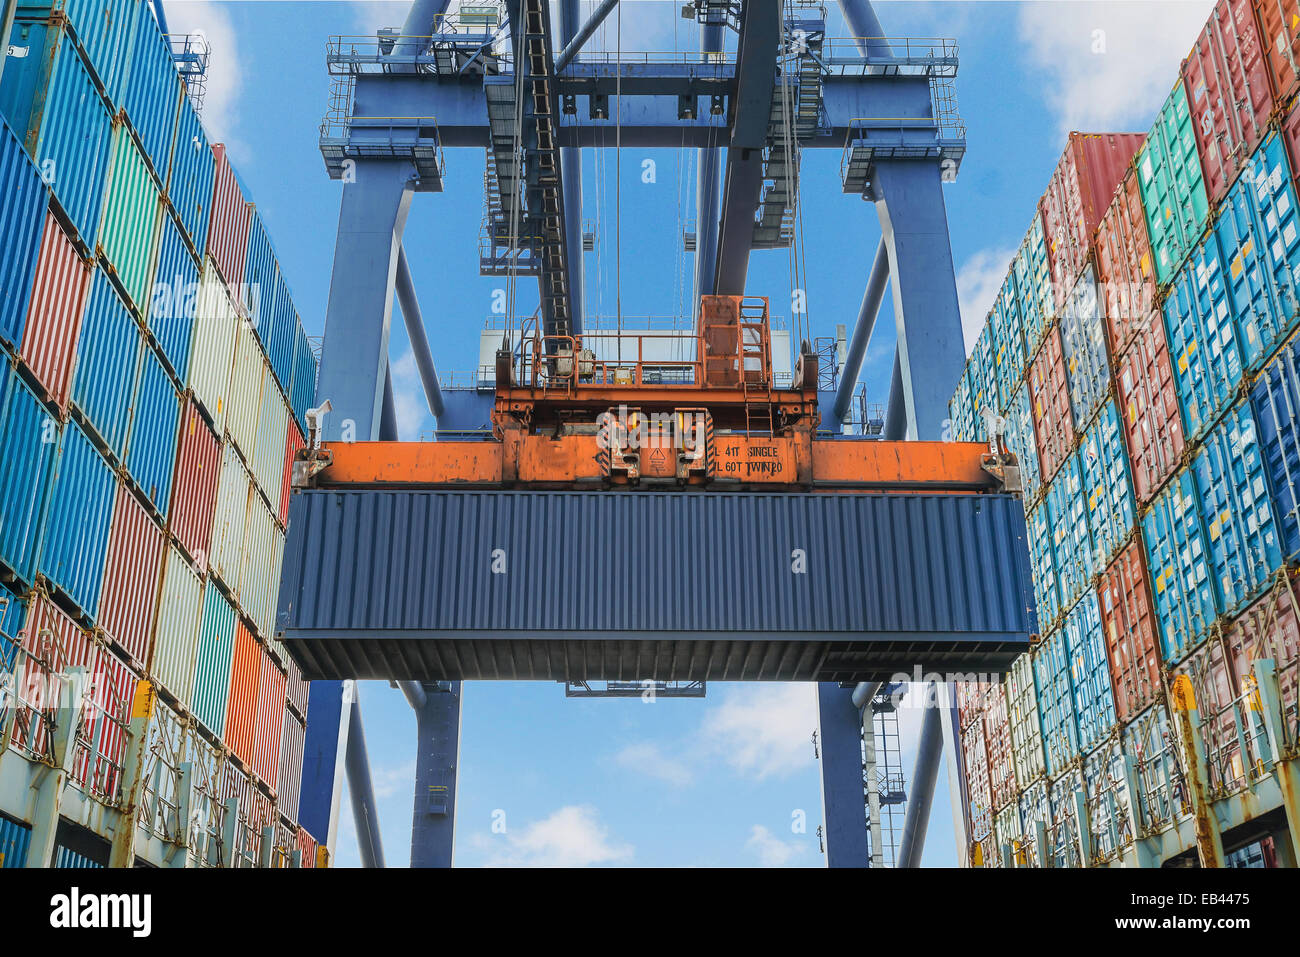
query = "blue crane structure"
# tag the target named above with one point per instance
(886, 105)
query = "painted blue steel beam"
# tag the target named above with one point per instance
(867, 312)
(865, 26)
(707, 210)
(365, 814)
(574, 36)
(844, 811)
(419, 25)
(433, 822)
(571, 170)
(917, 818)
(418, 336)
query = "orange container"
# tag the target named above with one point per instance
(1279, 35)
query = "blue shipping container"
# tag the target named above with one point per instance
(279, 339)
(1094, 703)
(12, 616)
(81, 511)
(983, 379)
(51, 102)
(1202, 339)
(1109, 494)
(1071, 538)
(1236, 513)
(108, 354)
(67, 857)
(1020, 440)
(29, 440)
(174, 297)
(153, 94)
(302, 395)
(1276, 402)
(151, 440)
(191, 178)
(258, 294)
(1083, 344)
(1033, 286)
(1260, 244)
(961, 420)
(1043, 565)
(105, 29)
(1060, 727)
(1008, 343)
(1180, 570)
(15, 838)
(213, 660)
(22, 217)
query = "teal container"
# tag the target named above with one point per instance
(213, 661)
(961, 423)
(1172, 186)
(1042, 565)
(29, 442)
(15, 839)
(1060, 726)
(1020, 440)
(108, 353)
(1094, 700)
(133, 208)
(153, 94)
(1071, 537)
(1107, 489)
(983, 378)
(81, 511)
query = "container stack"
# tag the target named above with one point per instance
(155, 381)
(1143, 361)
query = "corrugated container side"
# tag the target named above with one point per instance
(1107, 802)
(290, 773)
(1173, 187)
(1026, 730)
(1211, 678)
(209, 761)
(1148, 401)
(198, 468)
(960, 411)
(1006, 825)
(257, 291)
(1270, 628)
(247, 380)
(100, 754)
(174, 298)
(307, 847)
(1063, 845)
(132, 210)
(49, 344)
(1124, 270)
(151, 442)
(1202, 339)
(1151, 744)
(1289, 125)
(1019, 436)
(66, 857)
(1184, 594)
(268, 461)
(1275, 399)
(21, 221)
(212, 355)
(280, 337)
(176, 628)
(979, 802)
(1083, 339)
(13, 614)
(105, 30)
(1094, 701)
(983, 382)
(293, 441)
(28, 446)
(1071, 537)
(302, 394)
(228, 230)
(131, 575)
(241, 710)
(269, 725)
(1279, 30)
(108, 356)
(153, 94)
(1034, 285)
(190, 182)
(997, 735)
(1056, 716)
(75, 546)
(15, 838)
(1226, 76)
(1130, 628)
(1008, 343)
(212, 661)
(1050, 395)
(1260, 246)
(1111, 512)
(258, 579)
(160, 785)
(1042, 564)
(54, 643)
(1241, 533)
(229, 518)
(295, 687)
(1034, 808)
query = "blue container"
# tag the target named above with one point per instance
(191, 179)
(153, 94)
(15, 838)
(29, 442)
(302, 394)
(1042, 563)
(1236, 513)
(12, 617)
(81, 512)
(52, 104)
(213, 661)
(961, 420)
(1275, 399)
(67, 857)
(1020, 440)
(260, 277)
(174, 298)
(1106, 486)
(1060, 726)
(104, 28)
(22, 217)
(1094, 702)
(1202, 339)
(983, 379)
(108, 353)
(151, 440)
(1083, 344)
(1008, 343)
(1033, 286)
(1179, 566)
(280, 337)
(1071, 538)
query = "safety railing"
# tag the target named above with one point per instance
(931, 57)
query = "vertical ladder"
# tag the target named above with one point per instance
(755, 374)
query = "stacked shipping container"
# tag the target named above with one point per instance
(1155, 344)
(154, 382)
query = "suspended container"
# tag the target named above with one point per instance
(212, 354)
(81, 510)
(1279, 35)
(1071, 536)
(1151, 744)
(1275, 400)
(1094, 702)
(1202, 340)
(1111, 512)
(1124, 269)
(1148, 401)
(1083, 339)
(49, 345)
(151, 441)
(153, 94)
(1008, 344)
(1258, 238)
(131, 578)
(108, 356)
(132, 211)
(302, 394)
(228, 520)
(1026, 730)
(1181, 575)
(104, 28)
(173, 301)
(1056, 716)
(1173, 188)
(176, 627)
(194, 497)
(1240, 531)
(1050, 395)
(1129, 624)
(1268, 629)
(190, 181)
(212, 661)
(228, 231)
(1019, 434)
(28, 446)
(247, 380)
(21, 223)
(1042, 564)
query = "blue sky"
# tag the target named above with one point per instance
(718, 781)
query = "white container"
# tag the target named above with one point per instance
(213, 351)
(176, 626)
(247, 377)
(268, 462)
(259, 579)
(233, 489)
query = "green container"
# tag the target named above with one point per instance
(1173, 188)
(131, 218)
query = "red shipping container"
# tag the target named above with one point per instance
(198, 466)
(1227, 92)
(1128, 284)
(100, 753)
(295, 687)
(1129, 626)
(293, 442)
(979, 799)
(1212, 686)
(246, 672)
(131, 577)
(270, 722)
(1148, 404)
(49, 344)
(307, 845)
(1049, 397)
(54, 643)
(231, 214)
(1077, 196)
(970, 702)
(997, 737)
(1270, 628)
(1279, 35)
(290, 775)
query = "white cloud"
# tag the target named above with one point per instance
(225, 76)
(1109, 65)
(763, 730)
(570, 837)
(393, 781)
(408, 397)
(649, 759)
(771, 850)
(978, 281)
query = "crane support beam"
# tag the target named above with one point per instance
(573, 43)
(365, 815)
(929, 751)
(871, 300)
(571, 164)
(839, 733)
(433, 821)
(707, 209)
(418, 336)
